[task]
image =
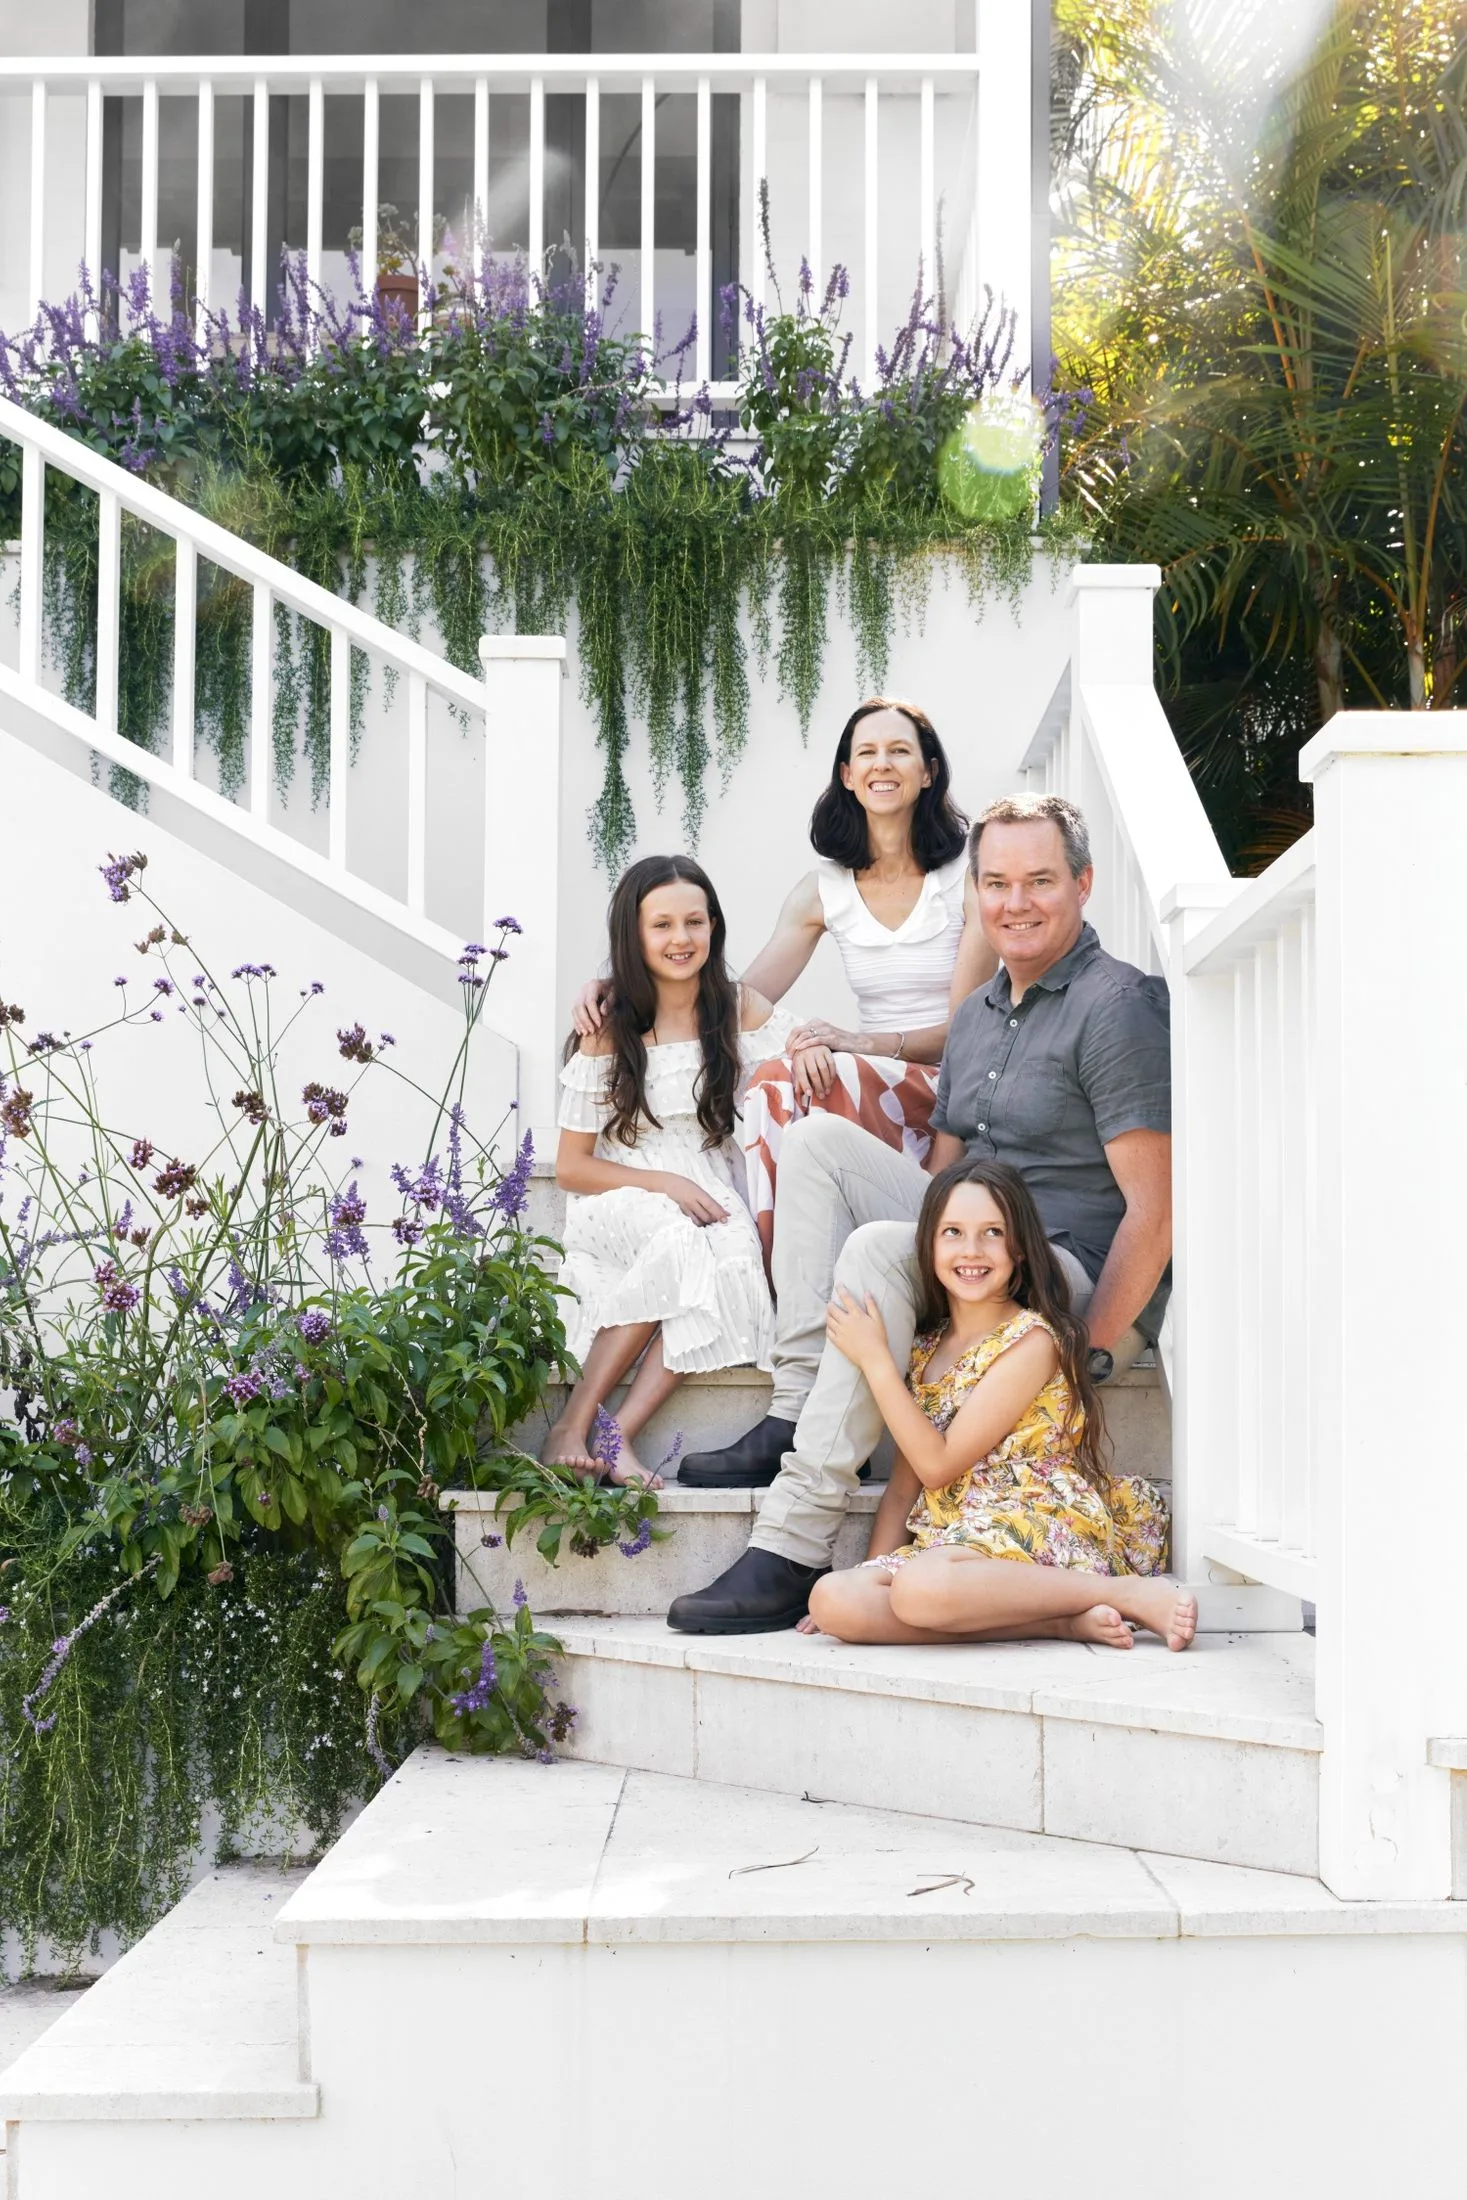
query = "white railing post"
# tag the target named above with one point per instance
(260, 197)
(703, 231)
(593, 192)
(647, 230)
(1390, 793)
(1004, 163)
(185, 651)
(204, 219)
(1204, 1307)
(92, 202)
(371, 192)
(38, 197)
(425, 196)
(522, 703)
(148, 245)
(109, 610)
(32, 559)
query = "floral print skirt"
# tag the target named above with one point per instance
(1048, 1516)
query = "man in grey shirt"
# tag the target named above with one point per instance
(1061, 1067)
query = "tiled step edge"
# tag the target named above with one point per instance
(198, 2022)
(982, 1677)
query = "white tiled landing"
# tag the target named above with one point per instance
(1211, 1754)
(588, 1983)
(466, 1852)
(199, 2020)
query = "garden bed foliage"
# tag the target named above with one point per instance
(498, 465)
(230, 1400)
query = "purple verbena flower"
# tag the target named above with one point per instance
(478, 1695)
(314, 1325)
(245, 1386)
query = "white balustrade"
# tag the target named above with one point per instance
(517, 702)
(932, 151)
(1319, 1063)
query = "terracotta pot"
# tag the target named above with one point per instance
(401, 290)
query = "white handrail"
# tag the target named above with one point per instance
(508, 72)
(232, 553)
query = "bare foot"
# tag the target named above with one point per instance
(806, 1626)
(564, 1448)
(628, 1468)
(1167, 1609)
(1102, 1624)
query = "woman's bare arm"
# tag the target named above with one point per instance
(976, 961)
(793, 941)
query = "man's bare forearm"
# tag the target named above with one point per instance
(1134, 1267)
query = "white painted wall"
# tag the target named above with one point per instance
(62, 942)
(984, 676)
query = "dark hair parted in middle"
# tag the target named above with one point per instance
(1038, 1281)
(631, 1008)
(838, 827)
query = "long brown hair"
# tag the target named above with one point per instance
(1038, 1281)
(631, 1009)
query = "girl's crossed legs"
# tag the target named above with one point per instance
(950, 1594)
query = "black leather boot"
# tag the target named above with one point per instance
(760, 1593)
(750, 1464)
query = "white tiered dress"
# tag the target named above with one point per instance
(634, 1256)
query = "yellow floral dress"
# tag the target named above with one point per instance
(1028, 1498)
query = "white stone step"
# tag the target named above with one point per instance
(196, 2028)
(498, 1956)
(1211, 1754)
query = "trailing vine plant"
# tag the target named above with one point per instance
(231, 1399)
(502, 467)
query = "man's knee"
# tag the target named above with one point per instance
(875, 1254)
(821, 1142)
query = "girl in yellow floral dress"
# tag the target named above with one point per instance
(1000, 1451)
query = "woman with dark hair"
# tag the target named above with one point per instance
(662, 1258)
(1000, 1480)
(892, 890)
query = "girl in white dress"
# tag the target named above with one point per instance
(661, 1250)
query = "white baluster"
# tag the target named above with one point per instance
(481, 169)
(185, 631)
(339, 769)
(1292, 1039)
(148, 247)
(1244, 1230)
(260, 200)
(425, 189)
(593, 190)
(38, 197)
(758, 174)
(872, 209)
(1308, 1117)
(262, 728)
(371, 186)
(315, 184)
(817, 181)
(522, 679)
(649, 214)
(537, 177)
(417, 793)
(703, 255)
(1270, 1312)
(928, 238)
(32, 556)
(92, 247)
(109, 609)
(204, 222)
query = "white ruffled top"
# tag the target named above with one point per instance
(632, 1255)
(900, 978)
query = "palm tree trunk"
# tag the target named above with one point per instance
(1329, 663)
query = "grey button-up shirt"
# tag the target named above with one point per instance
(1044, 1086)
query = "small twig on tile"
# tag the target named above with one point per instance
(786, 1864)
(946, 1879)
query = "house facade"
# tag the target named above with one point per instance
(1206, 1879)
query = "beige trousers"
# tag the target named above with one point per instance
(846, 1214)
